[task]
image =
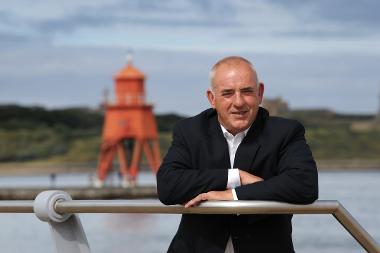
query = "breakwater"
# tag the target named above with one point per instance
(30, 193)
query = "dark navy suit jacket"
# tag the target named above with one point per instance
(197, 161)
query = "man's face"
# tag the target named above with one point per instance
(236, 96)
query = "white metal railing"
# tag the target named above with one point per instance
(59, 210)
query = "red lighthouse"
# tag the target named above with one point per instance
(129, 129)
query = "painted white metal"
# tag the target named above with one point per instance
(66, 229)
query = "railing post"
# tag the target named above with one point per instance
(66, 229)
(356, 230)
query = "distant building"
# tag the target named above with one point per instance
(276, 106)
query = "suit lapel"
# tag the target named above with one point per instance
(246, 153)
(249, 147)
(217, 145)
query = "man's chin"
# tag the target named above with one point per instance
(241, 127)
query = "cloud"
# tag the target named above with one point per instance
(149, 13)
(196, 25)
(347, 14)
(11, 38)
(177, 80)
(313, 53)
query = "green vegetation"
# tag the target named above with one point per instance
(73, 135)
(59, 136)
(34, 133)
(343, 143)
(331, 136)
(166, 122)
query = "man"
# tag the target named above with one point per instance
(236, 151)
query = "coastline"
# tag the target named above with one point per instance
(42, 167)
(348, 165)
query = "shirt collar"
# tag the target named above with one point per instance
(229, 135)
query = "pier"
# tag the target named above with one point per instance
(138, 192)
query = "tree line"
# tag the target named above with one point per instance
(29, 133)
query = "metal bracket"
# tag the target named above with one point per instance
(66, 229)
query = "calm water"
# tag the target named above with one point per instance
(359, 192)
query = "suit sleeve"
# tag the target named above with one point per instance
(297, 178)
(178, 181)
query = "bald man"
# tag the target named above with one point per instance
(236, 151)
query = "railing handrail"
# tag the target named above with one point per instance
(63, 207)
(210, 207)
(16, 206)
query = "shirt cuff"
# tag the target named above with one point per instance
(233, 178)
(234, 194)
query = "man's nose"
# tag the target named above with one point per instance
(238, 100)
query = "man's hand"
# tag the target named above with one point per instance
(247, 178)
(211, 195)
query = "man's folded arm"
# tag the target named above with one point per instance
(297, 181)
(178, 182)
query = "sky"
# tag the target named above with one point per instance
(313, 54)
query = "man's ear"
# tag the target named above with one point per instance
(261, 92)
(211, 98)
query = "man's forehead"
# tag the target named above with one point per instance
(233, 77)
(226, 71)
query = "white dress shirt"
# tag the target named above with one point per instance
(233, 174)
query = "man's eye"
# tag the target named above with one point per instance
(248, 92)
(227, 93)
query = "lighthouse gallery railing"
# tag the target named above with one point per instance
(59, 210)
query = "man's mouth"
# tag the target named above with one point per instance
(239, 113)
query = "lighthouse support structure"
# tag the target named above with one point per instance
(130, 129)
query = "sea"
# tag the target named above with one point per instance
(358, 191)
